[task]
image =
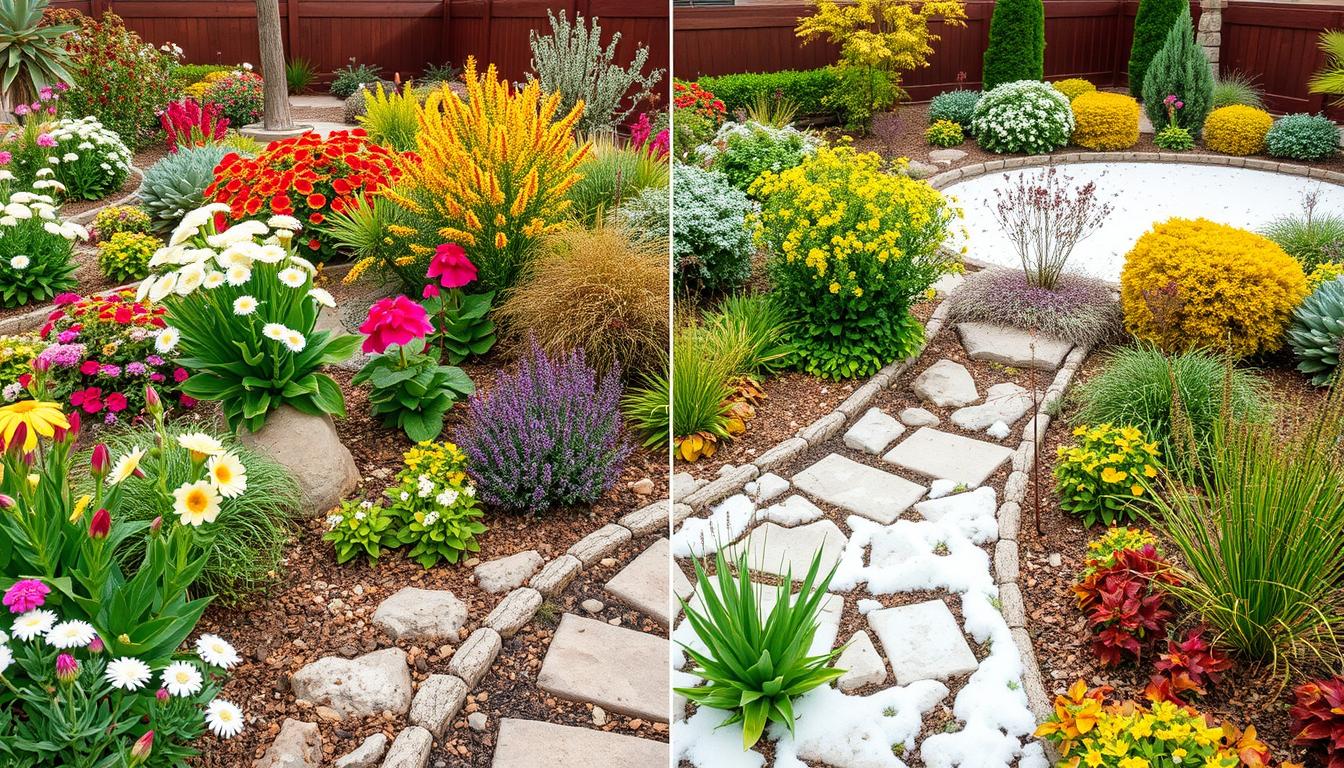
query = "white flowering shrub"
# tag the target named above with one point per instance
(88, 159)
(1024, 116)
(711, 244)
(35, 246)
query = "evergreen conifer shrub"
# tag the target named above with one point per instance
(1016, 43)
(1151, 24)
(1180, 68)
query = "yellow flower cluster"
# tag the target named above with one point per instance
(125, 256)
(1237, 130)
(1074, 87)
(1324, 273)
(1105, 121)
(1092, 733)
(1194, 283)
(16, 358)
(1104, 470)
(443, 462)
(197, 89)
(1101, 551)
(492, 171)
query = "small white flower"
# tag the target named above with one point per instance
(6, 658)
(19, 262)
(293, 278)
(216, 651)
(162, 287)
(244, 305)
(70, 157)
(237, 275)
(333, 520)
(166, 340)
(128, 673)
(213, 279)
(284, 222)
(52, 228)
(33, 624)
(182, 678)
(295, 341)
(269, 254)
(322, 296)
(18, 211)
(274, 331)
(224, 719)
(71, 634)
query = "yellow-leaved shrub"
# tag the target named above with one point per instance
(1237, 130)
(1074, 87)
(1190, 284)
(490, 172)
(1105, 121)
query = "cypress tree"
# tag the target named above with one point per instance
(1151, 25)
(1016, 43)
(1180, 68)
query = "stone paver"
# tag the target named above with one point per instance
(643, 583)
(1011, 346)
(778, 550)
(473, 658)
(949, 457)
(505, 573)
(861, 489)
(795, 510)
(861, 662)
(437, 703)
(416, 615)
(357, 687)
(410, 749)
(922, 642)
(618, 669)
(1006, 402)
(918, 417)
(514, 611)
(946, 384)
(529, 743)
(873, 432)
(767, 487)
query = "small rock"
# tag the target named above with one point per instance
(414, 614)
(946, 384)
(998, 430)
(607, 562)
(946, 156)
(366, 755)
(1056, 560)
(592, 606)
(727, 469)
(642, 486)
(359, 687)
(599, 716)
(298, 745)
(684, 484)
(918, 417)
(477, 721)
(506, 573)
(770, 486)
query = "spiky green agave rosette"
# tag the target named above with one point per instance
(1318, 325)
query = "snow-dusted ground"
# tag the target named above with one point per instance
(1143, 194)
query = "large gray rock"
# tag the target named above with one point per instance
(417, 615)
(298, 745)
(1012, 346)
(529, 743)
(367, 755)
(946, 384)
(367, 685)
(505, 573)
(310, 449)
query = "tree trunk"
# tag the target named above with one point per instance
(275, 116)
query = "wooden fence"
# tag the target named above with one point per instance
(398, 35)
(1273, 42)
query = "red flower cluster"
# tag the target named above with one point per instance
(306, 177)
(1318, 719)
(1188, 666)
(1125, 603)
(188, 123)
(700, 101)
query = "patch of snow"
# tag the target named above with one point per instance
(855, 731)
(700, 536)
(998, 430)
(942, 487)
(867, 604)
(701, 741)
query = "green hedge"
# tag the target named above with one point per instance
(807, 88)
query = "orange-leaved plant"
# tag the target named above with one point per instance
(493, 173)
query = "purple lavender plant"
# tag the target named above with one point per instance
(546, 435)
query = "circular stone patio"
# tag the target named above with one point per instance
(1142, 193)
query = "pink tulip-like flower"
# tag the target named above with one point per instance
(431, 292)
(451, 266)
(67, 668)
(26, 595)
(394, 320)
(96, 645)
(101, 524)
(161, 695)
(21, 110)
(142, 747)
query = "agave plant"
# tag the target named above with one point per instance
(755, 665)
(32, 57)
(1318, 325)
(1331, 78)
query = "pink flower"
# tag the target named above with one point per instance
(5, 157)
(21, 110)
(116, 402)
(431, 292)
(394, 320)
(67, 668)
(96, 645)
(451, 265)
(25, 595)
(45, 140)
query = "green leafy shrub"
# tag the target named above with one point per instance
(91, 161)
(36, 263)
(1174, 138)
(441, 73)
(743, 151)
(1024, 116)
(347, 79)
(862, 93)
(1231, 88)
(697, 388)
(240, 97)
(360, 527)
(410, 390)
(955, 106)
(126, 255)
(1303, 137)
(299, 74)
(119, 218)
(1151, 25)
(1016, 43)
(852, 246)
(1104, 471)
(176, 184)
(754, 664)
(1318, 326)
(944, 133)
(391, 117)
(1179, 68)
(1136, 387)
(433, 507)
(711, 245)
(1310, 237)
(612, 174)
(808, 89)
(185, 74)
(16, 359)
(462, 324)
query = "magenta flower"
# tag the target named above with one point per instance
(451, 265)
(26, 595)
(431, 292)
(394, 320)
(5, 157)
(45, 140)
(67, 668)
(21, 110)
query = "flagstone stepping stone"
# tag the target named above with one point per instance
(873, 432)
(949, 457)
(795, 510)
(766, 487)
(948, 283)
(946, 384)
(618, 669)
(522, 743)
(643, 583)
(861, 662)
(298, 745)
(918, 417)
(367, 755)
(359, 687)
(416, 615)
(946, 156)
(778, 550)
(858, 488)
(1006, 402)
(1012, 346)
(505, 573)
(922, 642)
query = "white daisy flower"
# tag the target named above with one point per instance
(295, 341)
(189, 279)
(227, 474)
(126, 465)
(200, 444)
(196, 503)
(213, 279)
(18, 211)
(166, 340)
(322, 296)
(20, 262)
(269, 254)
(216, 651)
(274, 331)
(284, 222)
(71, 634)
(224, 719)
(293, 278)
(128, 673)
(162, 287)
(244, 305)
(33, 624)
(237, 275)
(182, 678)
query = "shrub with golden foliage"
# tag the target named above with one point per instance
(1237, 130)
(1190, 284)
(602, 290)
(1105, 121)
(1074, 87)
(492, 173)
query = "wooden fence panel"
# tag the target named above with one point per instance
(1276, 44)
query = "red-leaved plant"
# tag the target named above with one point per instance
(1126, 604)
(188, 123)
(1190, 666)
(1318, 719)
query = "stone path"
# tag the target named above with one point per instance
(914, 535)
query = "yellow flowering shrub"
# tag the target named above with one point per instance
(16, 359)
(491, 173)
(197, 89)
(852, 246)
(1092, 732)
(1237, 130)
(1100, 475)
(1074, 87)
(1323, 273)
(1101, 551)
(1190, 284)
(126, 255)
(944, 133)
(1105, 121)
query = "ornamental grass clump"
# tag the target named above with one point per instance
(391, 118)
(1190, 284)
(613, 174)
(1078, 309)
(548, 434)
(1023, 116)
(493, 174)
(852, 246)
(1310, 237)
